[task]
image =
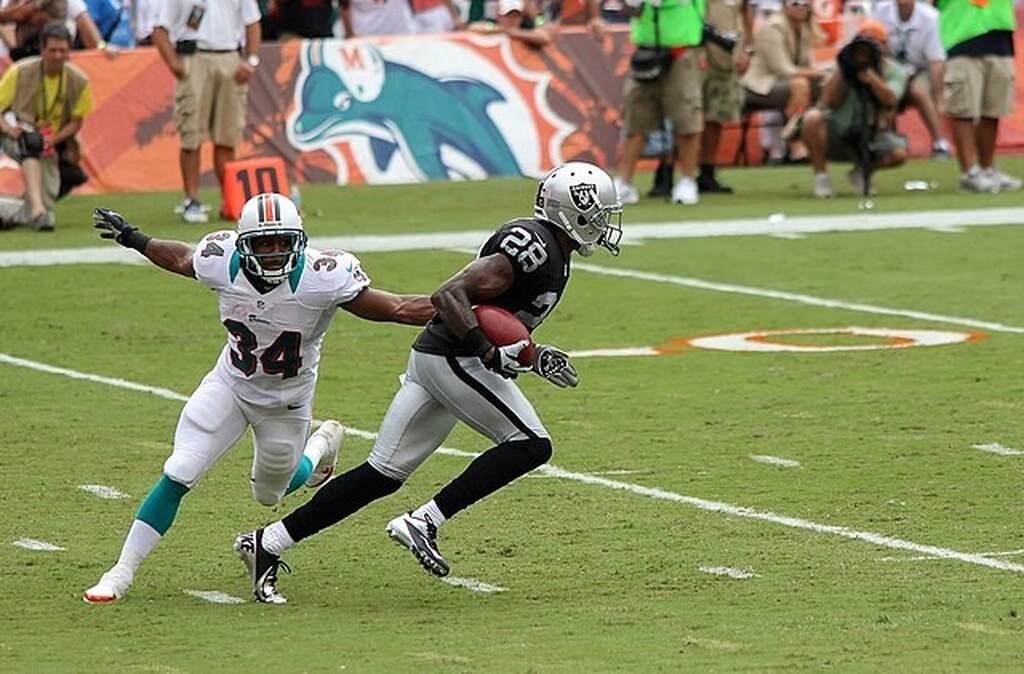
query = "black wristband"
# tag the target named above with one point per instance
(134, 239)
(477, 342)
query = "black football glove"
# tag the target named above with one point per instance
(505, 360)
(112, 225)
(553, 364)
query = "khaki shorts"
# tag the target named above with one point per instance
(978, 86)
(675, 95)
(208, 104)
(721, 96)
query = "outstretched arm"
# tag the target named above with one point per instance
(380, 305)
(174, 256)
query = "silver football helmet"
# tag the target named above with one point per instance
(270, 214)
(581, 199)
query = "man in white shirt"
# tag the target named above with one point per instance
(362, 18)
(914, 41)
(202, 43)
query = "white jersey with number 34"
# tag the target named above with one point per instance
(273, 348)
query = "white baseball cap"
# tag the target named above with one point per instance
(507, 6)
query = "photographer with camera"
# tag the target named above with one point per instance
(664, 83)
(913, 27)
(853, 120)
(44, 100)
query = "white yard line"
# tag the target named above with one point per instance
(775, 460)
(996, 448)
(794, 297)
(633, 234)
(33, 544)
(740, 574)
(103, 491)
(929, 558)
(215, 596)
(639, 490)
(473, 585)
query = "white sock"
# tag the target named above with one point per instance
(276, 539)
(140, 541)
(315, 447)
(431, 510)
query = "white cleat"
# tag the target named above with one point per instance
(1006, 182)
(112, 586)
(419, 536)
(685, 192)
(627, 192)
(332, 433)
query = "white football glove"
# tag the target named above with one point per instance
(505, 360)
(553, 364)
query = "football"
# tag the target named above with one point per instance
(503, 328)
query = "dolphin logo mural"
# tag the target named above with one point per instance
(348, 91)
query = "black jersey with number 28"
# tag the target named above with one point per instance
(541, 269)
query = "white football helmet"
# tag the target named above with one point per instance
(581, 199)
(270, 214)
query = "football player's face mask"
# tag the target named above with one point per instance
(581, 199)
(271, 240)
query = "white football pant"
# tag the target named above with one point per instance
(214, 419)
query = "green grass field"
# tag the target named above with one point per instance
(601, 563)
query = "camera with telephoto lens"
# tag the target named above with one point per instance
(30, 144)
(726, 41)
(860, 54)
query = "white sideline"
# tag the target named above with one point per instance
(633, 234)
(795, 297)
(649, 492)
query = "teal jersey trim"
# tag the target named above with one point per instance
(296, 275)
(236, 265)
(161, 506)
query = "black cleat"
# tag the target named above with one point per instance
(419, 536)
(262, 567)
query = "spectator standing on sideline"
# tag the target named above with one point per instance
(376, 17)
(519, 20)
(780, 76)
(914, 41)
(436, 16)
(49, 98)
(979, 86)
(30, 16)
(668, 37)
(722, 94)
(201, 43)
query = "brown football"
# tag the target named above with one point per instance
(503, 328)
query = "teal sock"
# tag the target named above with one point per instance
(160, 507)
(302, 474)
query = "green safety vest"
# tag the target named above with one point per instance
(680, 24)
(961, 20)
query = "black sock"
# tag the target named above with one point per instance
(707, 171)
(491, 471)
(338, 499)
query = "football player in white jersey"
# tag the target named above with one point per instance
(277, 297)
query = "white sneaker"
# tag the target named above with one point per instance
(823, 186)
(941, 149)
(627, 192)
(111, 587)
(856, 179)
(685, 192)
(1006, 182)
(331, 433)
(977, 180)
(194, 213)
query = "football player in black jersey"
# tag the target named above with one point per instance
(455, 374)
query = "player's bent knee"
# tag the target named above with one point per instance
(536, 450)
(184, 469)
(266, 496)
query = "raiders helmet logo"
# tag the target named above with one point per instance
(584, 196)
